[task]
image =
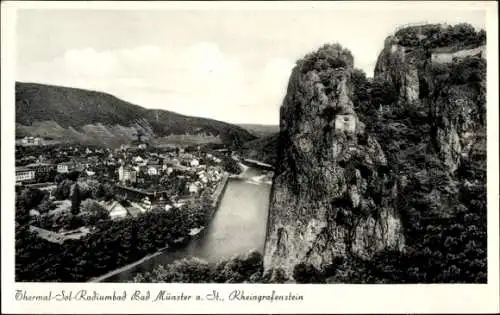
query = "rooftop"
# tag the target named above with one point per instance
(22, 169)
(39, 164)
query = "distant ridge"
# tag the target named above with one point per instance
(261, 130)
(78, 115)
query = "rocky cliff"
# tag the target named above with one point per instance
(440, 69)
(331, 195)
(390, 164)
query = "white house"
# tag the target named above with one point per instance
(31, 141)
(126, 173)
(194, 163)
(169, 170)
(194, 188)
(65, 167)
(24, 174)
(34, 213)
(203, 177)
(146, 204)
(116, 210)
(153, 169)
(90, 172)
(138, 160)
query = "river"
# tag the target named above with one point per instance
(238, 226)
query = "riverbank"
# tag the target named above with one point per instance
(127, 267)
(243, 168)
(216, 197)
(219, 191)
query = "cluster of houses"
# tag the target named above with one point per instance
(140, 178)
(30, 172)
(117, 210)
(139, 175)
(187, 165)
(127, 164)
(30, 141)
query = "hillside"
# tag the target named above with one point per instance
(94, 117)
(261, 130)
(262, 149)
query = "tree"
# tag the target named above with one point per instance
(22, 213)
(96, 189)
(383, 93)
(464, 32)
(75, 200)
(45, 206)
(306, 273)
(139, 133)
(230, 165)
(108, 191)
(92, 212)
(63, 189)
(279, 276)
(32, 197)
(74, 175)
(361, 87)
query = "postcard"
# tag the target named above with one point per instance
(249, 157)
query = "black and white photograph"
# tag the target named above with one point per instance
(250, 146)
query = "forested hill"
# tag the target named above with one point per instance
(90, 116)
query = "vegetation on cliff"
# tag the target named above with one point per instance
(443, 209)
(438, 35)
(435, 152)
(330, 185)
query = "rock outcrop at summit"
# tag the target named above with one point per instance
(440, 69)
(331, 196)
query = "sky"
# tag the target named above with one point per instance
(231, 65)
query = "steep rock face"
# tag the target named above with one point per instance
(440, 69)
(330, 195)
(400, 66)
(457, 107)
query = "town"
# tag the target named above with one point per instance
(123, 182)
(67, 193)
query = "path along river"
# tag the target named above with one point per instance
(239, 225)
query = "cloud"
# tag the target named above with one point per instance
(197, 79)
(90, 63)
